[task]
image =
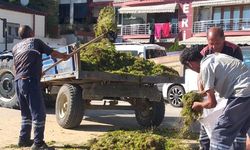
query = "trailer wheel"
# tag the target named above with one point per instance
(69, 106)
(149, 113)
(8, 96)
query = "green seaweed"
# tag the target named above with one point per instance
(189, 115)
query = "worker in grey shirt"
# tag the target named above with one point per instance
(231, 79)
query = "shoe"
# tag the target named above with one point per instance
(43, 146)
(25, 143)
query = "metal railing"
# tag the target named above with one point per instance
(141, 29)
(240, 24)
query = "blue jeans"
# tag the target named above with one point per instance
(238, 144)
(32, 109)
(232, 125)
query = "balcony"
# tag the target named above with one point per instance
(141, 29)
(242, 24)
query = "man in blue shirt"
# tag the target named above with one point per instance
(28, 68)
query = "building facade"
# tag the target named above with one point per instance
(171, 19)
(16, 16)
(189, 19)
(232, 16)
(78, 16)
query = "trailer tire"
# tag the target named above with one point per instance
(69, 106)
(149, 113)
(8, 97)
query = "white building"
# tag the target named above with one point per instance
(16, 16)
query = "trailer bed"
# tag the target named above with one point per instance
(95, 76)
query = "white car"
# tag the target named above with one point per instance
(173, 92)
(146, 51)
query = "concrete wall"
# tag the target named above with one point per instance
(39, 25)
(21, 19)
(25, 19)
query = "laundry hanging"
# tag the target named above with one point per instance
(158, 30)
(166, 30)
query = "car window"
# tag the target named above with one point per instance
(153, 53)
(133, 53)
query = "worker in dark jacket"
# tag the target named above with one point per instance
(28, 67)
(217, 43)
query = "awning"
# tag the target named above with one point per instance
(194, 41)
(203, 40)
(218, 2)
(170, 8)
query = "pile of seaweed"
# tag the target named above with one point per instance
(102, 56)
(189, 115)
(138, 140)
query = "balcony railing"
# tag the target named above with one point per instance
(226, 24)
(141, 29)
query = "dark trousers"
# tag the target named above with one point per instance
(32, 109)
(238, 144)
(232, 125)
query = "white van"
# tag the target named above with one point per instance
(173, 92)
(146, 51)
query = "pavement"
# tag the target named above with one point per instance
(95, 123)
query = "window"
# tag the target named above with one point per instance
(64, 13)
(236, 18)
(9, 30)
(153, 53)
(217, 15)
(131, 52)
(246, 18)
(226, 18)
(229, 18)
(118, 16)
(12, 32)
(80, 12)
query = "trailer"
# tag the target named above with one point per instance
(75, 89)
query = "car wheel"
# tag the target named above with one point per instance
(175, 94)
